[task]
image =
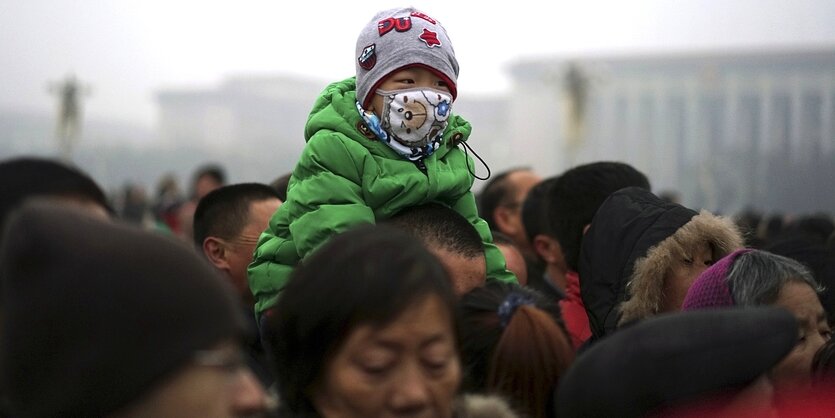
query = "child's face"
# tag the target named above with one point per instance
(409, 78)
(682, 274)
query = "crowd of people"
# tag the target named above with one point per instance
(372, 282)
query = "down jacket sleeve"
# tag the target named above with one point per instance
(496, 266)
(324, 199)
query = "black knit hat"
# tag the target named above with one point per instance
(96, 314)
(670, 359)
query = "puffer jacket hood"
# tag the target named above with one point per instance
(345, 177)
(632, 243)
(336, 110)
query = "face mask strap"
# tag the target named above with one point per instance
(471, 170)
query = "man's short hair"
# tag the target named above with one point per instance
(534, 214)
(495, 194)
(441, 227)
(575, 196)
(28, 177)
(224, 212)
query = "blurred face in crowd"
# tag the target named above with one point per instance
(794, 371)
(509, 214)
(215, 384)
(408, 367)
(204, 185)
(683, 273)
(241, 248)
(550, 251)
(515, 262)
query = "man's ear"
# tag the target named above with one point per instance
(215, 251)
(544, 247)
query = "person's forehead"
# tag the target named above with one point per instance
(524, 177)
(521, 182)
(260, 211)
(802, 301)
(206, 177)
(692, 248)
(265, 206)
(423, 321)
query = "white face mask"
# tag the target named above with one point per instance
(415, 117)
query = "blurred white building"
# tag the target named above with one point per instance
(244, 115)
(261, 120)
(725, 130)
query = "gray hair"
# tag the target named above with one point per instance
(756, 277)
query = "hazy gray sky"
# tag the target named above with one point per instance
(128, 49)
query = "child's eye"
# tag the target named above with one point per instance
(708, 262)
(406, 81)
(688, 261)
(442, 83)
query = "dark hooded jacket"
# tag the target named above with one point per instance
(633, 241)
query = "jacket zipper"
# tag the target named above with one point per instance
(421, 165)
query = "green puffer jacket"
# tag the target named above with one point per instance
(344, 178)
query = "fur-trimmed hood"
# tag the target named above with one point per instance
(645, 287)
(633, 241)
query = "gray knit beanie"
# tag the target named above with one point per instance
(399, 38)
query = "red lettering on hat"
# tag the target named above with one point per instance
(400, 24)
(431, 38)
(424, 17)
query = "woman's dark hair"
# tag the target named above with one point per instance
(513, 345)
(367, 275)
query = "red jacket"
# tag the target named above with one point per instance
(574, 312)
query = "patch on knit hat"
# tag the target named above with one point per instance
(399, 38)
(368, 58)
(400, 24)
(430, 38)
